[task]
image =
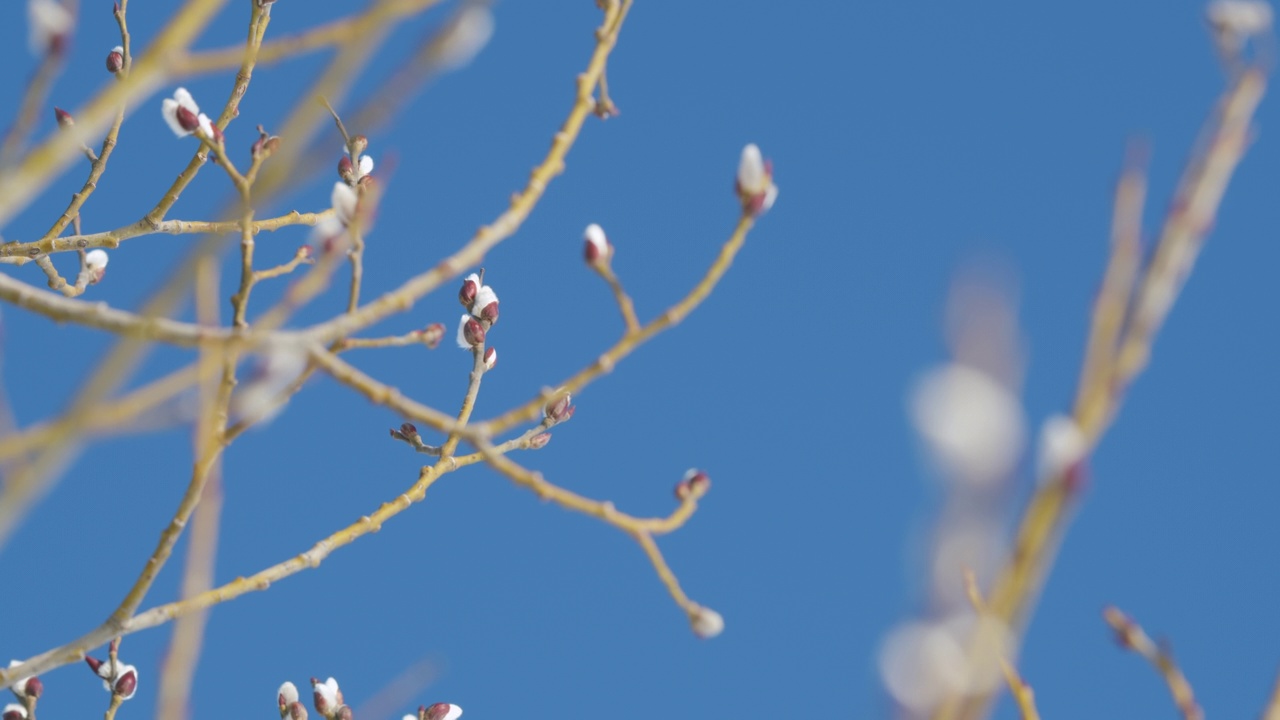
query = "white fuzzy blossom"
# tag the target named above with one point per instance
(1062, 445)
(19, 684)
(484, 297)
(183, 115)
(1243, 18)
(707, 623)
(49, 20)
(755, 180)
(365, 165)
(280, 366)
(597, 243)
(462, 332)
(924, 662)
(343, 200)
(971, 423)
(96, 260)
(465, 37)
(286, 695)
(327, 692)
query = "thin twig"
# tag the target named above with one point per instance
(1132, 637)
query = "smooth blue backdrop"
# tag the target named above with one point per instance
(907, 137)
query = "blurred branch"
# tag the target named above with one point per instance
(1132, 637)
(1196, 202)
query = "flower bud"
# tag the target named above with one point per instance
(345, 169)
(470, 286)
(127, 682)
(286, 696)
(33, 688)
(115, 60)
(755, 182)
(297, 711)
(1062, 447)
(706, 623)
(442, 711)
(539, 441)
(697, 481)
(14, 711)
(559, 408)
(65, 120)
(99, 668)
(95, 261)
(470, 332)
(485, 305)
(596, 247)
(343, 713)
(359, 144)
(409, 430)
(326, 695)
(432, 335)
(490, 358)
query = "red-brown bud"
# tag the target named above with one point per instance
(439, 711)
(15, 712)
(187, 120)
(34, 688)
(126, 685)
(559, 408)
(473, 331)
(539, 441)
(467, 294)
(94, 663)
(346, 170)
(343, 713)
(698, 481)
(115, 61)
(359, 144)
(490, 358)
(64, 118)
(433, 334)
(490, 313)
(297, 711)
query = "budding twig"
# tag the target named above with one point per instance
(1131, 636)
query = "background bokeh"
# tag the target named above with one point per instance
(907, 138)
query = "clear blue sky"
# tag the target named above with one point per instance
(907, 138)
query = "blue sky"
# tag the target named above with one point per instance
(908, 138)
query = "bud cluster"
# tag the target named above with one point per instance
(329, 703)
(354, 165)
(117, 678)
(481, 303)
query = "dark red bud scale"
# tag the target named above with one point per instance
(473, 332)
(115, 62)
(467, 295)
(437, 711)
(127, 683)
(490, 313)
(187, 120)
(34, 688)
